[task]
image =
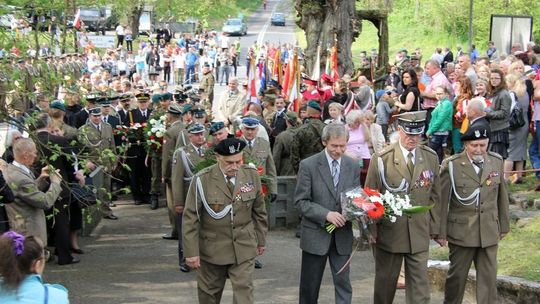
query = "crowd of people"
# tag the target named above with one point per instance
(82, 120)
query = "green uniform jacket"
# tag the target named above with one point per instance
(307, 141)
(261, 154)
(476, 225)
(180, 177)
(94, 142)
(282, 152)
(169, 144)
(409, 234)
(232, 239)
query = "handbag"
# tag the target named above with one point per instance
(85, 195)
(516, 115)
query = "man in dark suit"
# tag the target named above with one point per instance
(140, 182)
(321, 179)
(279, 121)
(79, 119)
(123, 109)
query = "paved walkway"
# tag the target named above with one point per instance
(127, 261)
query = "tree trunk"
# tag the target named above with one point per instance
(133, 18)
(379, 18)
(326, 22)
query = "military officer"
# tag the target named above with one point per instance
(219, 132)
(405, 167)
(282, 146)
(164, 102)
(207, 86)
(475, 216)
(174, 120)
(97, 139)
(184, 162)
(307, 140)
(187, 119)
(225, 225)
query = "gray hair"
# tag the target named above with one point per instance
(353, 116)
(434, 63)
(334, 130)
(22, 146)
(11, 134)
(476, 104)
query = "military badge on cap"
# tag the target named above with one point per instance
(412, 123)
(174, 109)
(195, 128)
(230, 146)
(476, 131)
(250, 122)
(216, 126)
(95, 111)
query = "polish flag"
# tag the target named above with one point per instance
(77, 20)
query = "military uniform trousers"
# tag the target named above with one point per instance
(170, 209)
(387, 270)
(211, 281)
(485, 263)
(157, 185)
(140, 174)
(178, 223)
(102, 182)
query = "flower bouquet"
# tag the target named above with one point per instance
(369, 205)
(121, 132)
(155, 129)
(136, 133)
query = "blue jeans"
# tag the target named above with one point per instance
(534, 149)
(190, 74)
(438, 143)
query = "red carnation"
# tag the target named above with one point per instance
(238, 133)
(260, 170)
(264, 189)
(152, 137)
(372, 192)
(376, 212)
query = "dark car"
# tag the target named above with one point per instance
(278, 19)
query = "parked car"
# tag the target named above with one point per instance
(278, 19)
(235, 26)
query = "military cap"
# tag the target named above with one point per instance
(250, 122)
(310, 81)
(314, 105)
(174, 109)
(95, 111)
(195, 128)
(291, 116)
(105, 102)
(198, 112)
(412, 123)
(58, 104)
(91, 98)
(230, 146)
(216, 126)
(166, 96)
(476, 131)
(124, 97)
(143, 97)
(187, 108)
(206, 65)
(156, 98)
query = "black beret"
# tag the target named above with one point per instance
(476, 131)
(230, 146)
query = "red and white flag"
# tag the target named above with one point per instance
(77, 20)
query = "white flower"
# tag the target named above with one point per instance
(252, 165)
(137, 125)
(67, 78)
(16, 83)
(153, 130)
(149, 133)
(393, 219)
(159, 134)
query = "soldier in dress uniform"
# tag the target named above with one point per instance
(475, 216)
(225, 224)
(96, 137)
(207, 86)
(164, 102)
(187, 119)
(174, 120)
(282, 146)
(184, 162)
(405, 168)
(219, 132)
(307, 140)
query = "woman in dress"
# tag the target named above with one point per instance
(517, 148)
(359, 138)
(409, 101)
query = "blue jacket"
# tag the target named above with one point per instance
(32, 290)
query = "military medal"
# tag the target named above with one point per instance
(248, 187)
(488, 182)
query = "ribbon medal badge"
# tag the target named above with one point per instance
(491, 175)
(424, 179)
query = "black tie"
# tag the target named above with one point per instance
(479, 164)
(230, 184)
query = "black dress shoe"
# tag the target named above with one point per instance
(169, 237)
(77, 250)
(154, 203)
(110, 217)
(73, 261)
(184, 267)
(258, 264)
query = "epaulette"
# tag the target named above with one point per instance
(246, 166)
(428, 149)
(494, 154)
(385, 150)
(449, 158)
(204, 171)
